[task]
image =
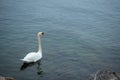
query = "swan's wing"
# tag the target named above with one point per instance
(31, 57)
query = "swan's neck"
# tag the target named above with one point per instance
(39, 45)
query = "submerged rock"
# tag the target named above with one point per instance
(6, 78)
(106, 75)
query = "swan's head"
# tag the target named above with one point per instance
(40, 33)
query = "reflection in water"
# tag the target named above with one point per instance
(26, 65)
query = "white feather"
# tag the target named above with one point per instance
(32, 57)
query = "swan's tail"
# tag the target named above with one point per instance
(22, 59)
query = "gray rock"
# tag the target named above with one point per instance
(106, 75)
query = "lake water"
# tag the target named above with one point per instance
(81, 37)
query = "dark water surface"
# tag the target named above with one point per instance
(81, 36)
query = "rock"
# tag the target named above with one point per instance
(6, 78)
(106, 75)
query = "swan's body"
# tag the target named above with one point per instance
(34, 56)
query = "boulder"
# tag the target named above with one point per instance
(6, 78)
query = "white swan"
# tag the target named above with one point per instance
(34, 56)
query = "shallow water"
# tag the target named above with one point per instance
(81, 36)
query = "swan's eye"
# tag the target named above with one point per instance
(42, 33)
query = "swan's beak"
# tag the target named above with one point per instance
(43, 33)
